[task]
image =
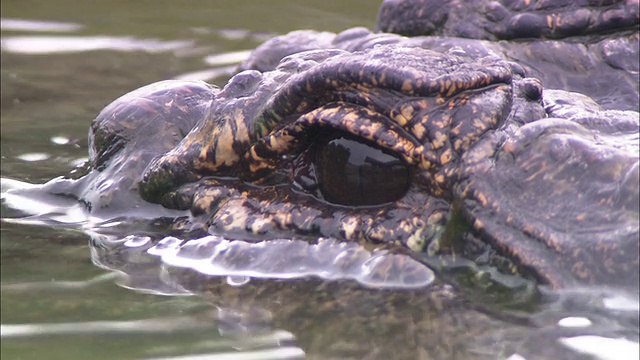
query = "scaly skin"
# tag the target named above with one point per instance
(548, 194)
(588, 65)
(540, 182)
(507, 20)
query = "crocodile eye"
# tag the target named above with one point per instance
(350, 172)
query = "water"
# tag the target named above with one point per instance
(71, 292)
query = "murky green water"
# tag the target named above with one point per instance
(60, 302)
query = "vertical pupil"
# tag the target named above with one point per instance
(356, 174)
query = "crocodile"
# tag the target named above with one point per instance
(548, 188)
(429, 144)
(582, 46)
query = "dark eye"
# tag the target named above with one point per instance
(350, 172)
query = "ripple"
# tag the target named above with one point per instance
(35, 45)
(289, 259)
(38, 25)
(157, 325)
(57, 285)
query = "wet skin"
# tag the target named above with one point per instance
(506, 20)
(480, 161)
(540, 191)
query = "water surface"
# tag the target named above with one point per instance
(74, 294)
